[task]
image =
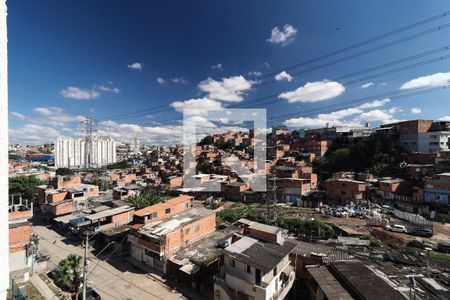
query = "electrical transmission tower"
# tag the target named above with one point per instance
(88, 127)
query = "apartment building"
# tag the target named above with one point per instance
(80, 153)
(20, 229)
(345, 190)
(255, 269)
(154, 243)
(433, 141)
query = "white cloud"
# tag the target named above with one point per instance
(283, 36)
(314, 91)
(179, 80)
(33, 134)
(283, 76)
(416, 110)
(337, 118)
(382, 84)
(54, 116)
(375, 103)
(228, 89)
(79, 94)
(108, 88)
(136, 66)
(426, 81)
(17, 115)
(88, 94)
(161, 80)
(197, 106)
(217, 67)
(367, 85)
(444, 118)
(255, 73)
(383, 116)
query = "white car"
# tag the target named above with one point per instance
(396, 228)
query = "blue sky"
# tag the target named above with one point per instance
(134, 65)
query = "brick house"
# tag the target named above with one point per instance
(345, 190)
(20, 230)
(154, 243)
(164, 210)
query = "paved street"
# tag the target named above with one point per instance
(122, 282)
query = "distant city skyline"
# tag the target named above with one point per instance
(135, 66)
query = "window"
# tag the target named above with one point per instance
(232, 263)
(275, 271)
(196, 227)
(186, 205)
(248, 269)
(167, 210)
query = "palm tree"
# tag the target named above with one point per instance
(69, 271)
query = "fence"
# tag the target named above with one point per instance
(417, 220)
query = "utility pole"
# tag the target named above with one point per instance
(85, 264)
(271, 204)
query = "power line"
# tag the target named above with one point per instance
(274, 97)
(353, 46)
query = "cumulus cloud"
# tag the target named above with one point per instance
(217, 67)
(314, 92)
(426, 81)
(338, 118)
(282, 36)
(444, 118)
(33, 134)
(77, 93)
(367, 85)
(54, 116)
(196, 106)
(228, 89)
(283, 76)
(416, 110)
(136, 66)
(160, 80)
(383, 116)
(375, 103)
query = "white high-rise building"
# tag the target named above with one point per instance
(81, 153)
(135, 145)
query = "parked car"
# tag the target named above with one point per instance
(425, 232)
(396, 228)
(443, 247)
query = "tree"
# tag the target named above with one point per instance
(68, 273)
(207, 140)
(103, 185)
(64, 171)
(120, 165)
(144, 198)
(25, 186)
